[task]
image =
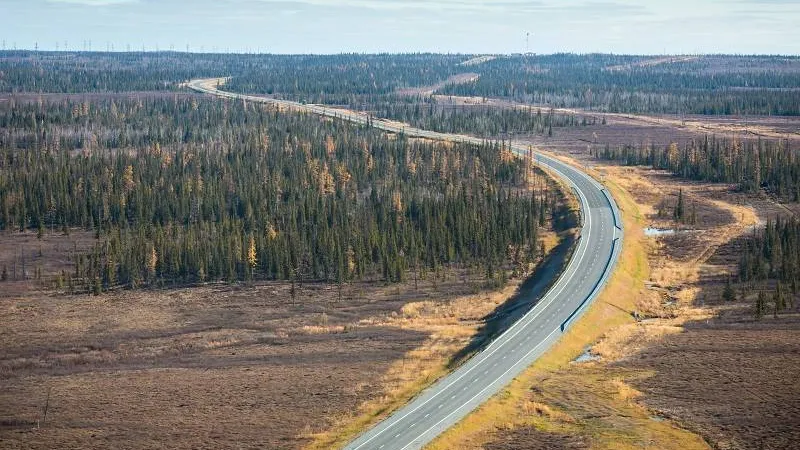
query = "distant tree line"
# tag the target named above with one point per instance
(713, 85)
(719, 85)
(482, 121)
(313, 78)
(71, 72)
(346, 79)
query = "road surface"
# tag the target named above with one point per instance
(450, 399)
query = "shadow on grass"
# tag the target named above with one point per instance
(526, 297)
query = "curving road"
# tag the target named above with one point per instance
(450, 399)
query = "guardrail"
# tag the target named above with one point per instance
(600, 283)
(614, 209)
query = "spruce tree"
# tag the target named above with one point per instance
(678, 212)
(728, 294)
(760, 306)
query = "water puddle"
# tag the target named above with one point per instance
(653, 232)
(587, 356)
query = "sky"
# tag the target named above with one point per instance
(371, 26)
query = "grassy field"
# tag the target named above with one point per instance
(155, 366)
(429, 362)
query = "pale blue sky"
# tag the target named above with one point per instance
(465, 26)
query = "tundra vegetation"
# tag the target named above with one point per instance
(172, 201)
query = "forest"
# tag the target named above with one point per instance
(773, 253)
(709, 85)
(769, 256)
(186, 189)
(183, 189)
(186, 268)
(347, 79)
(335, 79)
(478, 120)
(751, 165)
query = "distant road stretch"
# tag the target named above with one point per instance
(450, 399)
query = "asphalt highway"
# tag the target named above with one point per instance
(451, 398)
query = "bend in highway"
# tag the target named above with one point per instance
(451, 398)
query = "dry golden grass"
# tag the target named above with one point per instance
(597, 397)
(555, 396)
(262, 368)
(450, 326)
(706, 363)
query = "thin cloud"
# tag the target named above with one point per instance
(433, 5)
(514, 8)
(483, 26)
(95, 2)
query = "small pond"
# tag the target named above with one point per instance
(654, 232)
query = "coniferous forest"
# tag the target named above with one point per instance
(180, 188)
(190, 189)
(483, 121)
(752, 165)
(284, 276)
(770, 255)
(773, 253)
(709, 85)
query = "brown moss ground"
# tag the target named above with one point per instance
(222, 366)
(460, 323)
(190, 368)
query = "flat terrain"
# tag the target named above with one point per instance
(723, 375)
(730, 378)
(153, 367)
(659, 361)
(218, 366)
(621, 129)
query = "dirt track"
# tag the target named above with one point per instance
(769, 127)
